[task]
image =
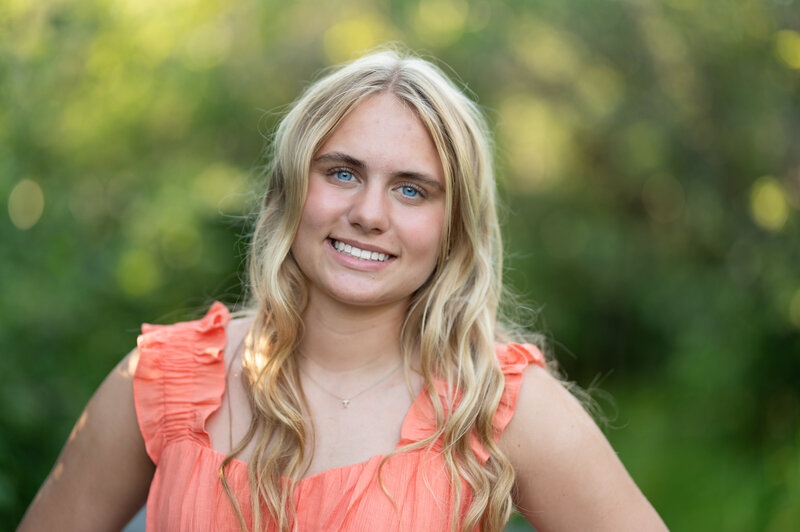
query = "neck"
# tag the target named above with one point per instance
(352, 339)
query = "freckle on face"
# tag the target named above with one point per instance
(389, 138)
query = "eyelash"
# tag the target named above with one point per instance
(334, 171)
(419, 189)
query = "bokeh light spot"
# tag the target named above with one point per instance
(155, 39)
(137, 272)
(441, 22)
(787, 47)
(25, 204)
(16, 8)
(600, 89)
(134, 9)
(768, 203)
(207, 46)
(537, 139)
(221, 187)
(346, 39)
(106, 58)
(549, 53)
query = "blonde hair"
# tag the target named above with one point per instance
(452, 318)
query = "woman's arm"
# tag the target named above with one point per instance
(102, 476)
(568, 476)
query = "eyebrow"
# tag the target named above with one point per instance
(339, 157)
(343, 158)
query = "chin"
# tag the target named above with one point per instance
(363, 300)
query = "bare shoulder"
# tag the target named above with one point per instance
(235, 337)
(103, 473)
(547, 415)
(568, 476)
(237, 329)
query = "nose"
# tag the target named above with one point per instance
(369, 210)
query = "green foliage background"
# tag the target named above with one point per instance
(648, 153)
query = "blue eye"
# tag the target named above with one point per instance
(344, 175)
(409, 191)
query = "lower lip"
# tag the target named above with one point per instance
(357, 264)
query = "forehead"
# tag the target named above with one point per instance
(383, 131)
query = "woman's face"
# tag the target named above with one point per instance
(374, 213)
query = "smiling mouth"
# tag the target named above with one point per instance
(362, 254)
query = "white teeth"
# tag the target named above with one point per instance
(359, 253)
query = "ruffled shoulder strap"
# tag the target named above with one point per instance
(180, 379)
(513, 358)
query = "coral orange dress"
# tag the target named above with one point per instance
(180, 381)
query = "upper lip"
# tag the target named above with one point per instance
(361, 245)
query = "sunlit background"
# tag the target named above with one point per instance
(648, 156)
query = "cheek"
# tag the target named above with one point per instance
(425, 236)
(315, 212)
(310, 228)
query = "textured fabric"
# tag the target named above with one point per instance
(179, 383)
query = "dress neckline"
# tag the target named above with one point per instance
(404, 428)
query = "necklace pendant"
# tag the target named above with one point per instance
(345, 402)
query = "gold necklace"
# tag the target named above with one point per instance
(346, 402)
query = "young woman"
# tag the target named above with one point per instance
(371, 387)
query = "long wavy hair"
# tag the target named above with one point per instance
(451, 320)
